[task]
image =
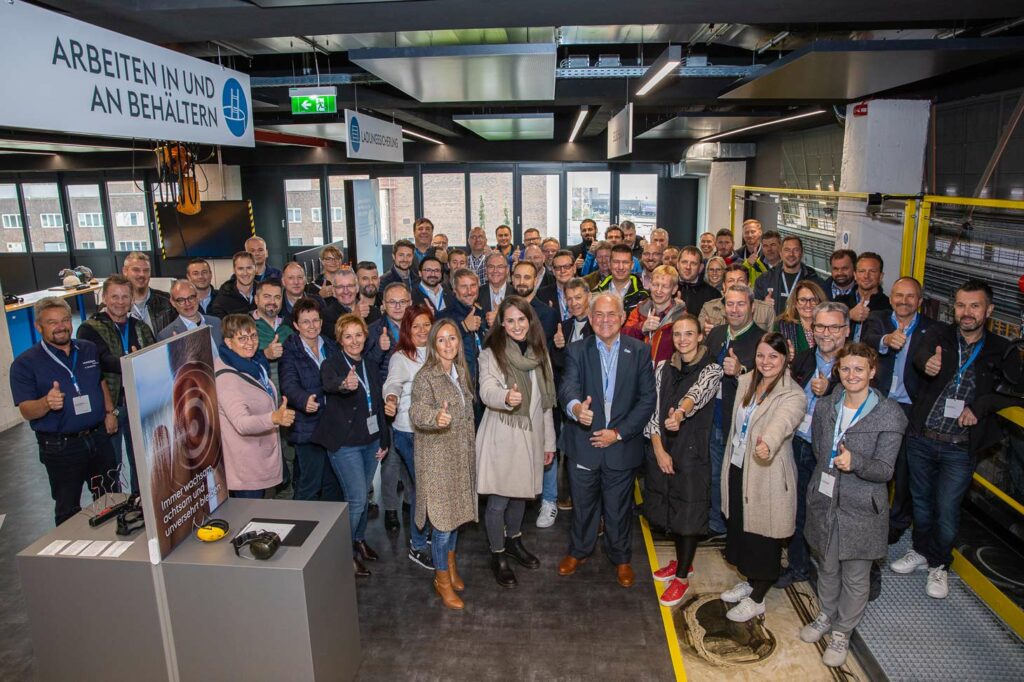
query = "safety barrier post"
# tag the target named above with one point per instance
(907, 250)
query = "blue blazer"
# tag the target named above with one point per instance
(299, 378)
(878, 324)
(178, 327)
(632, 407)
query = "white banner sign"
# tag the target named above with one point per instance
(64, 75)
(620, 133)
(366, 194)
(372, 139)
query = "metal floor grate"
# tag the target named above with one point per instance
(914, 637)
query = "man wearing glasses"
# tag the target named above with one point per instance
(494, 292)
(185, 300)
(812, 369)
(563, 268)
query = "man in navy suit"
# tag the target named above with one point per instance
(897, 335)
(607, 391)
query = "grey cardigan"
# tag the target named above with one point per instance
(860, 498)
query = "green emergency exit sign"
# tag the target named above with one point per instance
(314, 100)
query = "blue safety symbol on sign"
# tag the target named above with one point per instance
(236, 108)
(353, 133)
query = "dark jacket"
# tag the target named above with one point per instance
(632, 406)
(420, 298)
(286, 308)
(393, 276)
(682, 502)
(548, 295)
(472, 342)
(333, 311)
(299, 378)
(878, 324)
(342, 407)
(548, 319)
(695, 295)
(773, 280)
(827, 286)
(860, 497)
(877, 302)
(558, 354)
(161, 312)
(745, 347)
(375, 356)
(229, 302)
(101, 331)
(988, 431)
(805, 366)
(483, 299)
(634, 293)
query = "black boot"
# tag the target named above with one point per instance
(391, 523)
(514, 548)
(502, 571)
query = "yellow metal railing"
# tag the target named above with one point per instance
(827, 194)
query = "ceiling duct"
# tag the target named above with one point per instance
(708, 151)
(690, 168)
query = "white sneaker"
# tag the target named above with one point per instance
(745, 610)
(737, 593)
(547, 515)
(835, 654)
(816, 629)
(937, 586)
(909, 562)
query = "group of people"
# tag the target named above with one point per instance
(755, 400)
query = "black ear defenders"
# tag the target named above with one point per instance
(129, 521)
(211, 530)
(262, 544)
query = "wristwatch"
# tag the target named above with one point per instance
(116, 412)
(618, 436)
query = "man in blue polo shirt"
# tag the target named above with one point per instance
(58, 386)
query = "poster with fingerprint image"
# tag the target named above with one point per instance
(171, 399)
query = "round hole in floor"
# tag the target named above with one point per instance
(702, 625)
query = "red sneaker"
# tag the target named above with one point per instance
(674, 593)
(667, 573)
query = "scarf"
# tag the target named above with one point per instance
(519, 367)
(258, 368)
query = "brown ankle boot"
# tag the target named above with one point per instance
(443, 586)
(457, 583)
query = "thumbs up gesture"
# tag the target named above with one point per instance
(934, 364)
(490, 317)
(584, 415)
(896, 339)
(769, 298)
(761, 449)
(312, 405)
(514, 398)
(362, 307)
(391, 405)
(674, 419)
(282, 416)
(275, 350)
(731, 364)
(55, 398)
(842, 460)
(579, 263)
(473, 321)
(819, 384)
(444, 417)
(860, 312)
(351, 382)
(385, 338)
(652, 323)
(559, 337)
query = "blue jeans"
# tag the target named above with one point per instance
(355, 466)
(799, 553)
(716, 522)
(316, 479)
(402, 442)
(940, 475)
(444, 542)
(246, 494)
(549, 491)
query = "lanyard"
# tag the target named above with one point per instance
(317, 357)
(909, 330)
(963, 368)
(124, 335)
(748, 413)
(606, 368)
(70, 370)
(364, 381)
(787, 289)
(840, 433)
(437, 300)
(561, 303)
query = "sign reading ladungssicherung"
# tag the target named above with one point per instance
(367, 137)
(65, 75)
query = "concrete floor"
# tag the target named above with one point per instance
(584, 627)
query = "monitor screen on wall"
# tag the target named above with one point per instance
(217, 231)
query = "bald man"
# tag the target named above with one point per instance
(258, 248)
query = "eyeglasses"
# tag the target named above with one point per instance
(432, 271)
(312, 322)
(186, 299)
(807, 300)
(562, 268)
(495, 268)
(397, 304)
(345, 286)
(830, 328)
(247, 338)
(330, 259)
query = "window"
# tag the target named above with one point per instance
(15, 247)
(86, 215)
(295, 241)
(336, 187)
(540, 194)
(43, 213)
(589, 197)
(55, 247)
(130, 245)
(302, 197)
(638, 202)
(11, 211)
(397, 208)
(93, 245)
(127, 203)
(12, 221)
(444, 202)
(490, 203)
(90, 220)
(128, 218)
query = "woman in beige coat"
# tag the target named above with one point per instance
(441, 413)
(759, 492)
(516, 439)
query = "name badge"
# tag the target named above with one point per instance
(805, 425)
(82, 405)
(954, 408)
(718, 395)
(739, 445)
(827, 485)
(371, 424)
